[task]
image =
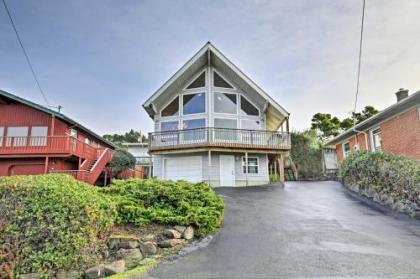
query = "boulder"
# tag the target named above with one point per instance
(180, 229)
(148, 248)
(129, 254)
(95, 272)
(68, 274)
(114, 267)
(123, 241)
(188, 233)
(30, 276)
(149, 237)
(168, 243)
(172, 234)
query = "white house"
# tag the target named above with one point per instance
(213, 123)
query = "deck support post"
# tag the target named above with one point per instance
(246, 168)
(150, 166)
(209, 166)
(280, 160)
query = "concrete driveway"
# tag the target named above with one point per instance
(307, 229)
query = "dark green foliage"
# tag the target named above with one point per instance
(306, 153)
(132, 136)
(121, 161)
(328, 126)
(51, 222)
(380, 172)
(167, 202)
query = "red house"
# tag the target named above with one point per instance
(395, 129)
(38, 140)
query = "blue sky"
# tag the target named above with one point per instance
(102, 59)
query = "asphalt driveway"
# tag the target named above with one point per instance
(307, 229)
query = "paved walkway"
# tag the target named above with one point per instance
(307, 229)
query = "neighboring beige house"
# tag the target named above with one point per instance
(213, 123)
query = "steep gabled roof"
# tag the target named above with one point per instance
(59, 115)
(393, 110)
(209, 54)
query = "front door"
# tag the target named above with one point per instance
(227, 170)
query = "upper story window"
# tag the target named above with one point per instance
(169, 126)
(247, 108)
(193, 103)
(346, 149)
(39, 136)
(218, 81)
(172, 109)
(198, 82)
(250, 124)
(87, 141)
(17, 136)
(1, 135)
(377, 139)
(225, 103)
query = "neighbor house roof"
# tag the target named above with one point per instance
(59, 115)
(397, 108)
(209, 53)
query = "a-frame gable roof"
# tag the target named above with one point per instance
(209, 54)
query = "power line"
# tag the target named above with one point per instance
(360, 56)
(26, 55)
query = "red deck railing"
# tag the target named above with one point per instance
(50, 145)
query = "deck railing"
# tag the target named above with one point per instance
(219, 137)
(62, 145)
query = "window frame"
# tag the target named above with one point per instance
(372, 134)
(249, 101)
(345, 155)
(201, 91)
(244, 165)
(168, 103)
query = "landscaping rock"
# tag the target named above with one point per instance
(172, 234)
(188, 233)
(68, 274)
(95, 272)
(148, 248)
(114, 267)
(180, 229)
(123, 241)
(30, 276)
(169, 243)
(149, 237)
(129, 253)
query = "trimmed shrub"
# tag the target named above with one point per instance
(167, 202)
(51, 222)
(397, 177)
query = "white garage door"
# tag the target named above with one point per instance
(185, 168)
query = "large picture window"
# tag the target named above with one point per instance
(194, 133)
(225, 103)
(194, 103)
(252, 165)
(39, 136)
(172, 109)
(1, 135)
(169, 135)
(229, 132)
(247, 108)
(17, 136)
(169, 126)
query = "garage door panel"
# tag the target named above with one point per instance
(185, 168)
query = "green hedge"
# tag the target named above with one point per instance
(51, 222)
(306, 153)
(395, 176)
(167, 202)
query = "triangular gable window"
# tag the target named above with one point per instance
(220, 82)
(172, 108)
(198, 82)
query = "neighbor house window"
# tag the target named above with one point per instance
(218, 81)
(172, 109)
(1, 135)
(39, 136)
(377, 139)
(346, 149)
(247, 108)
(194, 103)
(252, 165)
(17, 136)
(198, 82)
(225, 103)
(194, 132)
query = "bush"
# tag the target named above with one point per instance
(51, 222)
(306, 153)
(121, 161)
(396, 176)
(167, 202)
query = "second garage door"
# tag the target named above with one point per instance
(185, 168)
